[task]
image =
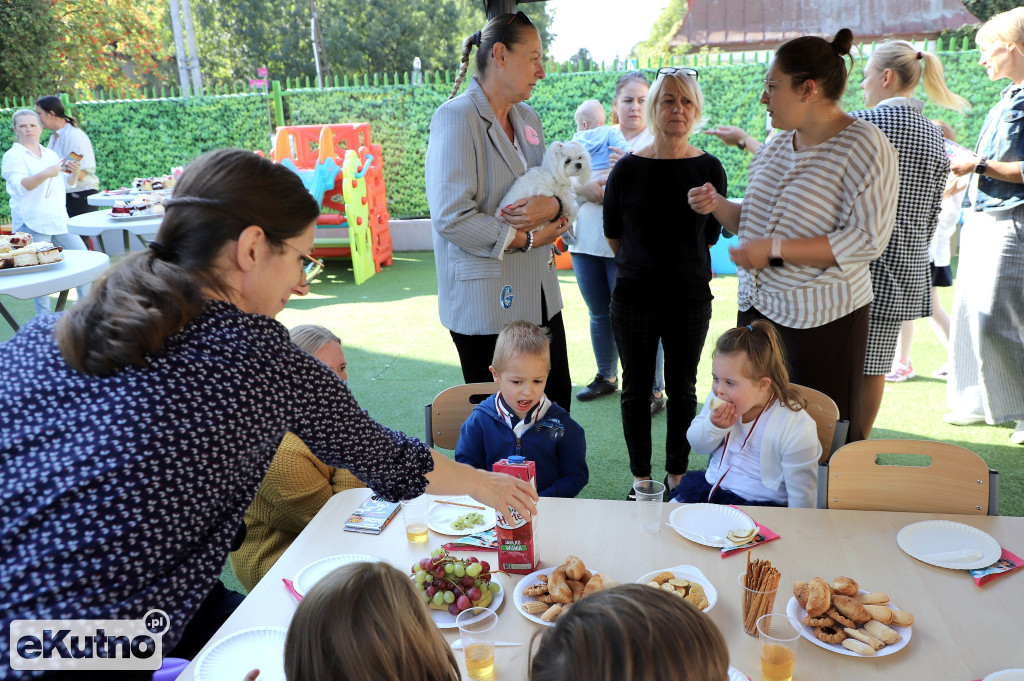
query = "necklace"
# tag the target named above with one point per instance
(725, 446)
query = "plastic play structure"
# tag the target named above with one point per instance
(343, 170)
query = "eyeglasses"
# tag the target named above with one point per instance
(672, 70)
(310, 269)
(769, 86)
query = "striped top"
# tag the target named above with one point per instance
(844, 188)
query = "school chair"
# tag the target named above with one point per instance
(955, 479)
(446, 414)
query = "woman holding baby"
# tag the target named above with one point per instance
(493, 271)
(663, 268)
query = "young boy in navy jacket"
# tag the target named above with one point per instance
(520, 419)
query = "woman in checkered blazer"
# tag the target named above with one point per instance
(901, 278)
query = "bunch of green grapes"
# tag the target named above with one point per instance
(465, 522)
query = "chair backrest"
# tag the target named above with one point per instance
(956, 480)
(825, 413)
(446, 414)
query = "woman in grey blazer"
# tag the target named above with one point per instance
(493, 271)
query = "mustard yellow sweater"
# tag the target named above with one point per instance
(296, 486)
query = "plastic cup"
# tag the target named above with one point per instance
(778, 635)
(414, 513)
(649, 495)
(754, 604)
(476, 629)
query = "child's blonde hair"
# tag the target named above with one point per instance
(365, 622)
(518, 339)
(590, 112)
(631, 633)
(765, 357)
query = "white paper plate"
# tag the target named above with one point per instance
(940, 536)
(1006, 675)
(136, 216)
(692, 521)
(691, 573)
(441, 516)
(314, 572)
(445, 620)
(794, 610)
(235, 656)
(737, 675)
(25, 269)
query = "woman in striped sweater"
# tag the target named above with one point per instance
(819, 207)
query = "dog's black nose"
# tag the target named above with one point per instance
(579, 166)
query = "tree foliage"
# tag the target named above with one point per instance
(28, 47)
(986, 9)
(238, 36)
(663, 31)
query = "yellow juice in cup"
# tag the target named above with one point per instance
(776, 662)
(416, 533)
(480, 661)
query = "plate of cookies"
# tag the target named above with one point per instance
(845, 619)
(685, 581)
(543, 595)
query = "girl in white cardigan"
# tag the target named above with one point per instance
(763, 445)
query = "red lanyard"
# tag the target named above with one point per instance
(725, 446)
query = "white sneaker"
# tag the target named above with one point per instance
(1017, 436)
(900, 372)
(957, 418)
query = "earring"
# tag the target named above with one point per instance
(815, 92)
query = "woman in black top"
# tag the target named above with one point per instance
(664, 268)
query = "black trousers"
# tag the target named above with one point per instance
(77, 202)
(476, 353)
(828, 358)
(682, 328)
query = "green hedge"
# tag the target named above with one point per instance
(147, 137)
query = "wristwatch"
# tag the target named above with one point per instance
(775, 256)
(742, 144)
(982, 166)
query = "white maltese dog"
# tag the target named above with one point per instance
(562, 160)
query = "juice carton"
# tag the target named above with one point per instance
(517, 551)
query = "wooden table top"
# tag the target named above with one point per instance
(961, 631)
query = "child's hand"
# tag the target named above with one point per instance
(251, 676)
(725, 416)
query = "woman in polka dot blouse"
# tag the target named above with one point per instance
(148, 414)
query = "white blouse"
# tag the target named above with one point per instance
(42, 209)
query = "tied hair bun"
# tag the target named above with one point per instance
(843, 42)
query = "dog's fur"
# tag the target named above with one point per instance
(562, 161)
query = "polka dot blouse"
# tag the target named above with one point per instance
(122, 493)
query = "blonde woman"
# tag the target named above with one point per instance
(901, 278)
(663, 268)
(631, 633)
(986, 384)
(365, 622)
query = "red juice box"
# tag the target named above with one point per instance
(517, 550)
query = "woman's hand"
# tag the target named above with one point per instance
(593, 191)
(752, 254)
(52, 171)
(725, 416)
(704, 199)
(963, 165)
(729, 134)
(251, 676)
(530, 213)
(614, 154)
(71, 166)
(550, 232)
(501, 491)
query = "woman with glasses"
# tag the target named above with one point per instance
(663, 268)
(492, 271)
(819, 207)
(149, 413)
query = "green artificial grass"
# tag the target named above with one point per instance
(400, 357)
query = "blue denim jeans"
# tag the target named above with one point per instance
(596, 278)
(71, 242)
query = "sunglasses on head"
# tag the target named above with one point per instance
(672, 70)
